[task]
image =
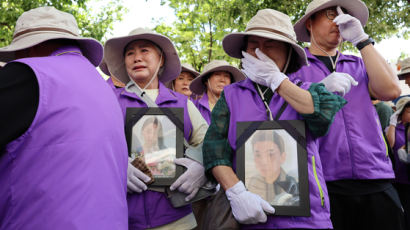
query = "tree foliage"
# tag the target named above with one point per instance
(202, 24)
(91, 23)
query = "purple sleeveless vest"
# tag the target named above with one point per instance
(68, 171)
(354, 148)
(152, 209)
(400, 170)
(203, 107)
(242, 95)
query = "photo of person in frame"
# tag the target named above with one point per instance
(155, 147)
(270, 180)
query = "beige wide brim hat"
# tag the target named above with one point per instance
(47, 23)
(405, 68)
(267, 23)
(114, 54)
(401, 103)
(356, 8)
(198, 87)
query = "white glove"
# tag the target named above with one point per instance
(135, 179)
(247, 207)
(350, 27)
(262, 70)
(403, 156)
(191, 180)
(339, 82)
(394, 117)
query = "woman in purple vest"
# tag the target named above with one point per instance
(183, 81)
(217, 74)
(268, 50)
(396, 134)
(63, 156)
(144, 60)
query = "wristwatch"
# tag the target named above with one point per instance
(364, 43)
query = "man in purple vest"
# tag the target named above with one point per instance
(269, 51)
(144, 61)
(63, 155)
(355, 160)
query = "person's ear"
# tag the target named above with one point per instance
(162, 60)
(308, 24)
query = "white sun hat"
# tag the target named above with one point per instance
(356, 8)
(114, 54)
(47, 23)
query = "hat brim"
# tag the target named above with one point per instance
(402, 74)
(233, 43)
(199, 88)
(114, 57)
(195, 73)
(91, 48)
(355, 8)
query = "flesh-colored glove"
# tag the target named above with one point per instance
(403, 156)
(350, 27)
(247, 207)
(339, 83)
(136, 179)
(191, 180)
(394, 117)
(262, 70)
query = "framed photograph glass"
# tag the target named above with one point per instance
(271, 159)
(155, 140)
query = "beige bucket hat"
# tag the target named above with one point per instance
(356, 8)
(198, 87)
(47, 23)
(267, 23)
(190, 69)
(114, 49)
(401, 103)
(405, 68)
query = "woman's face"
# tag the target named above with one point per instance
(405, 116)
(268, 159)
(217, 81)
(182, 82)
(150, 135)
(275, 50)
(142, 59)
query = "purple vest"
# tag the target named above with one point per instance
(242, 95)
(400, 170)
(152, 209)
(354, 148)
(203, 107)
(68, 170)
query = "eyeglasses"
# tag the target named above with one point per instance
(331, 14)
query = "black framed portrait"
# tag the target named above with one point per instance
(271, 160)
(155, 140)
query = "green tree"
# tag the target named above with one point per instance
(202, 24)
(92, 23)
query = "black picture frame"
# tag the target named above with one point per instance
(252, 138)
(171, 122)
